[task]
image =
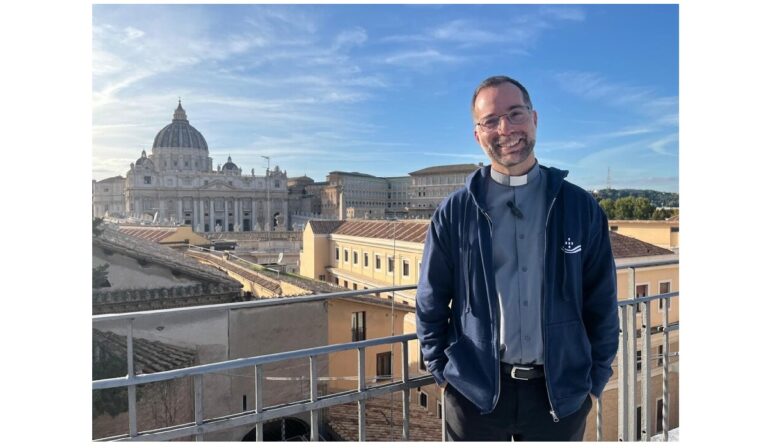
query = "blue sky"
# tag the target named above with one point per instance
(385, 89)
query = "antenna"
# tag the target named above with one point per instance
(608, 180)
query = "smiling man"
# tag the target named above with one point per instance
(516, 306)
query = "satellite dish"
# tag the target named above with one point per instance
(280, 258)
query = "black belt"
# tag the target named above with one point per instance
(522, 372)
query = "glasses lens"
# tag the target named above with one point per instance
(490, 123)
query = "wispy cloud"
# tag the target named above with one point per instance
(420, 58)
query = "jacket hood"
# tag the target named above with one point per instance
(477, 184)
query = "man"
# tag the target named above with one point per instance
(516, 307)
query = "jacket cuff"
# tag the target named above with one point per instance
(599, 381)
(436, 369)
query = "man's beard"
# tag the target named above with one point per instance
(494, 150)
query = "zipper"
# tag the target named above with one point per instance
(496, 331)
(543, 321)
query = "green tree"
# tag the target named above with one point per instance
(608, 207)
(100, 277)
(624, 208)
(642, 208)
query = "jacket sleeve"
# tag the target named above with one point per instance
(433, 296)
(600, 312)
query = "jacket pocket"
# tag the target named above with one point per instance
(570, 273)
(569, 359)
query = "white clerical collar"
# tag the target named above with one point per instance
(515, 181)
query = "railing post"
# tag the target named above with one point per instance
(665, 374)
(406, 394)
(632, 372)
(361, 388)
(645, 373)
(314, 413)
(198, 385)
(623, 378)
(132, 427)
(259, 400)
(599, 423)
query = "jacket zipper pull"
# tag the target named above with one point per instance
(554, 416)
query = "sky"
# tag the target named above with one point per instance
(386, 89)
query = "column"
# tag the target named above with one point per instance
(210, 215)
(195, 216)
(201, 218)
(226, 215)
(253, 214)
(238, 221)
(180, 215)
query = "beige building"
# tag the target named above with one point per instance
(664, 234)
(430, 186)
(370, 254)
(398, 201)
(109, 197)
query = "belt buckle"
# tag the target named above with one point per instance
(515, 369)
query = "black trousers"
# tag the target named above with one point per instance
(521, 414)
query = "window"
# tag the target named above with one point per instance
(423, 399)
(660, 352)
(365, 259)
(659, 415)
(358, 326)
(406, 269)
(390, 265)
(322, 277)
(675, 229)
(638, 422)
(614, 228)
(638, 358)
(337, 254)
(346, 255)
(664, 287)
(346, 284)
(355, 257)
(147, 180)
(384, 366)
(640, 291)
(354, 286)
(378, 262)
(439, 409)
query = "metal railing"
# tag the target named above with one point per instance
(627, 373)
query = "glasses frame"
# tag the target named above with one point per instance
(507, 116)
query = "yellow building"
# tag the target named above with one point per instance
(371, 254)
(659, 233)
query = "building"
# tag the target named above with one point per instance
(664, 233)
(177, 184)
(373, 254)
(180, 237)
(109, 197)
(398, 201)
(429, 186)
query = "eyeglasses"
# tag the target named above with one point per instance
(517, 115)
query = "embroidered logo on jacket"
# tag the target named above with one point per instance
(568, 247)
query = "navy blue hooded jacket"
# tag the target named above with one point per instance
(457, 311)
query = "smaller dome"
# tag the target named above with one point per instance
(229, 166)
(144, 161)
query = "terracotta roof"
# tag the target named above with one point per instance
(320, 227)
(411, 230)
(154, 234)
(134, 247)
(422, 425)
(149, 356)
(626, 247)
(460, 168)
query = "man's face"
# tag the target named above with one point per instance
(509, 146)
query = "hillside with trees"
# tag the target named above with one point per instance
(656, 198)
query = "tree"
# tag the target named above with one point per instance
(608, 207)
(642, 208)
(624, 208)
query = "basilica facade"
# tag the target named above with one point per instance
(177, 185)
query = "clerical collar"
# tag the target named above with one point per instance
(516, 181)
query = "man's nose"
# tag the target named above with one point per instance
(505, 128)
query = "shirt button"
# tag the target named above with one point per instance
(527, 339)
(522, 236)
(525, 269)
(525, 303)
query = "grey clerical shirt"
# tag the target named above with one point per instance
(518, 261)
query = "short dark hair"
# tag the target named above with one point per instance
(495, 81)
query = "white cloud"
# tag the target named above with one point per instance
(351, 38)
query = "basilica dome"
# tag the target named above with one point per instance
(180, 134)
